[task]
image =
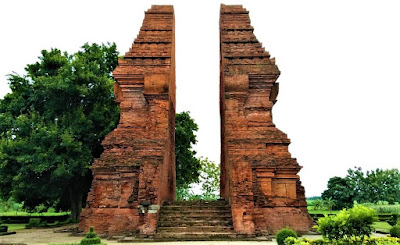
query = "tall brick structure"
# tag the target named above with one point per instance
(136, 172)
(135, 175)
(258, 175)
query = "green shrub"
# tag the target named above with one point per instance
(393, 220)
(91, 237)
(67, 221)
(395, 231)
(294, 241)
(34, 222)
(95, 240)
(348, 241)
(283, 234)
(3, 228)
(356, 221)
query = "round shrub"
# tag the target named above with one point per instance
(34, 222)
(3, 228)
(91, 237)
(395, 231)
(283, 234)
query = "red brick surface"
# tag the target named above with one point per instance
(138, 163)
(258, 175)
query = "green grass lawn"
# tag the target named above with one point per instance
(14, 227)
(13, 213)
(382, 226)
(310, 211)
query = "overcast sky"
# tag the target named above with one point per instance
(339, 60)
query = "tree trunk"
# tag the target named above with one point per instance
(75, 195)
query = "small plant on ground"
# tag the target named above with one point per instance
(283, 234)
(34, 222)
(91, 237)
(395, 231)
(295, 241)
(356, 221)
(3, 228)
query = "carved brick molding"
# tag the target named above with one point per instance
(136, 172)
(258, 175)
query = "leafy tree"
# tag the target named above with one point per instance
(360, 187)
(187, 165)
(329, 203)
(183, 193)
(209, 177)
(383, 185)
(318, 204)
(52, 124)
(339, 190)
(208, 183)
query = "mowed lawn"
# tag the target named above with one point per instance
(15, 227)
(382, 226)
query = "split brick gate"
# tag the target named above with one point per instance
(135, 175)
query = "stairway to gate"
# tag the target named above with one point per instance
(196, 220)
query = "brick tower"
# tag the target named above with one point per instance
(136, 172)
(258, 175)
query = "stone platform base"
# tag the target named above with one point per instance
(274, 219)
(104, 220)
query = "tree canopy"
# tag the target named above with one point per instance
(210, 179)
(372, 186)
(187, 165)
(52, 124)
(207, 188)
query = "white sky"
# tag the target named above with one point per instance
(339, 60)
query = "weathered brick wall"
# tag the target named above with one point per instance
(258, 175)
(137, 168)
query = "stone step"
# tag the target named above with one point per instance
(186, 223)
(191, 229)
(201, 235)
(195, 220)
(198, 208)
(196, 217)
(195, 203)
(195, 211)
(195, 237)
(190, 217)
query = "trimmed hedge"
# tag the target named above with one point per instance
(91, 237)
(87, 241)
(9, 219)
